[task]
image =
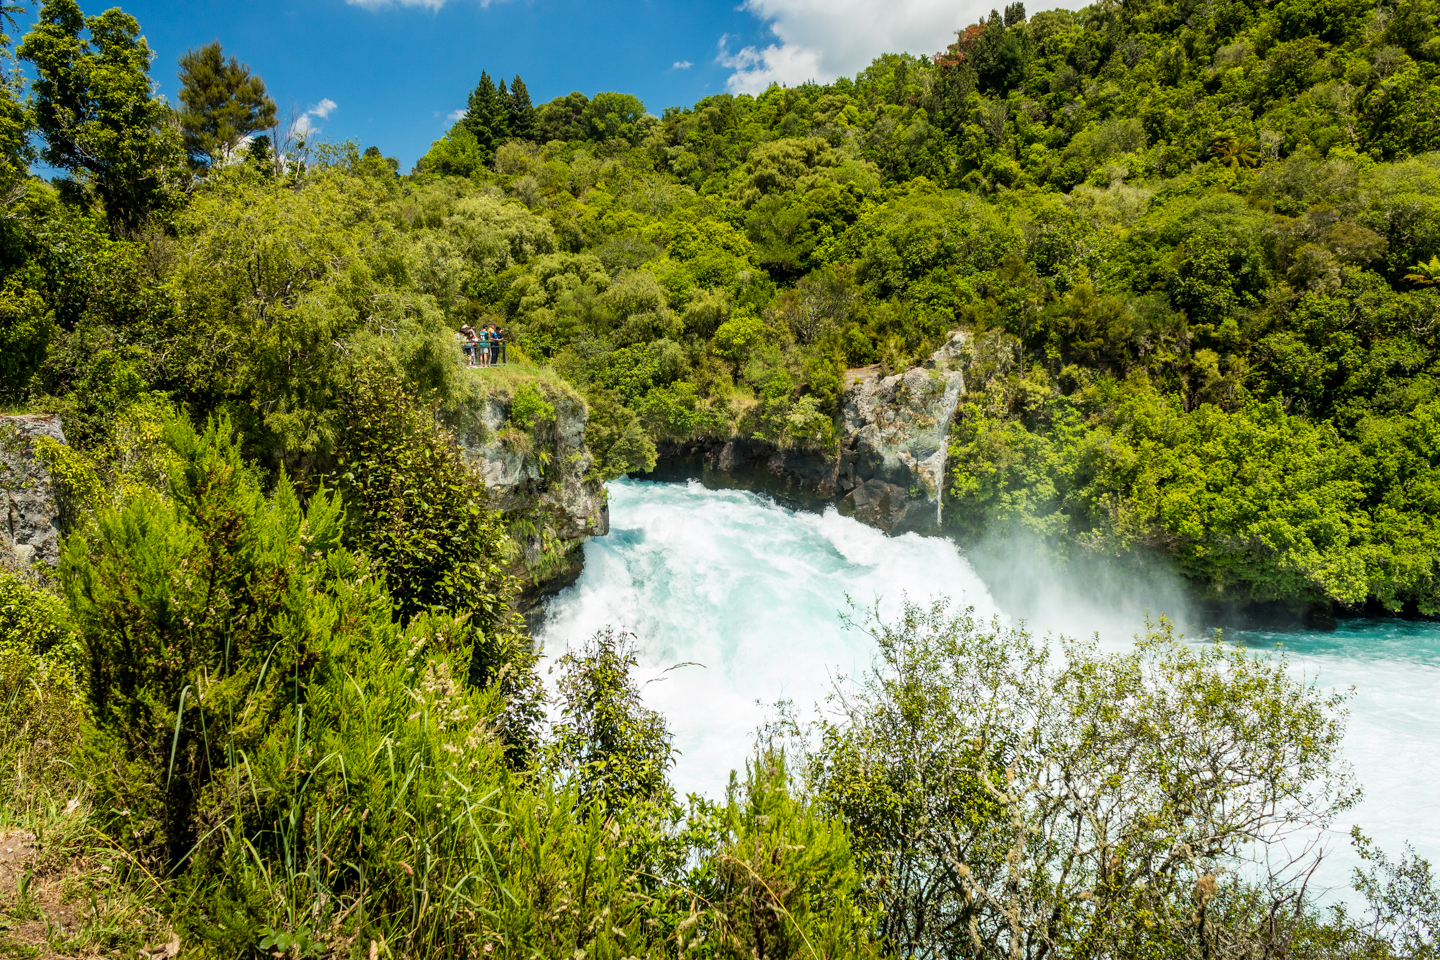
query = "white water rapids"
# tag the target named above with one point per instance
(754, 592)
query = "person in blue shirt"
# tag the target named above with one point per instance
(496, 343)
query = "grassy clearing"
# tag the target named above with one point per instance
(504, 380)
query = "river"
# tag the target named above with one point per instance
(750, 594)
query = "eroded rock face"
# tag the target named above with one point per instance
(897, 427)
(889, 468)
(537, 479)
(896, 430)
(30, 523)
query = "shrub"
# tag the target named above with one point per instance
(39, 719)
(421, 513)
(612, 746)
(615, 437)
(1112, 805)
(529, 408)
(778, 877)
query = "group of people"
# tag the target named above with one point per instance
(483, 346)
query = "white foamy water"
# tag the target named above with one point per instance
(754, 592)
(1392, 736)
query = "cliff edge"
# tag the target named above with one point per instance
(528, 441)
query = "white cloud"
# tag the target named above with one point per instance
(681, 65)
(823, 39)
(757, 69)
(455, 116)
(305, 124)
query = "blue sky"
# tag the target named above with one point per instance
(391, 72)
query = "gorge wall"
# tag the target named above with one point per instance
(888, 468)
(30, 522)
(537, 472)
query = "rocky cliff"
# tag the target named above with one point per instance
(896, 428)
(30, 524)
(529, 443)
(888, 468)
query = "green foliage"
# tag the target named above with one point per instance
(94, 108)
(159, 592)
(1192, 251)
(223, 104)
(493, 117)
(1254, 503)
(301, 767)
(611, 746)
(610, 116)
(280, 289)
(33, 622)
(520, 113)
(421, 514)
(487, 115)
(739, 336)
(457, 154)
(15, 148)
(1004, 801)
(1404, 904)
(529, 408)
(778, 878)
(26, 329)
(615, 437)
(39, 670)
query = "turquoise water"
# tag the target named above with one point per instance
(751, 593)
(1393, 731)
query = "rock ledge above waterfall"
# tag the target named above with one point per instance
(896, 428)
(537, 476)
(888, 469)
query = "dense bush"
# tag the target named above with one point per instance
(39, 692)
(1005, 801)
(1196, 253)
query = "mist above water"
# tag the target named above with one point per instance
(754, 592)
(751, 591)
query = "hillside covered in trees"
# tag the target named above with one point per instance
(1197, 246)
(274, 698)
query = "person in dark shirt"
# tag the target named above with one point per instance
(497, 343)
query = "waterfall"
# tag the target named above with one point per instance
(753, 591)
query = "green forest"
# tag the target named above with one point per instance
(275, 697)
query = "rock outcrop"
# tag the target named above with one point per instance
(896, 429)
(889, 468)
(536, 475)
(30, 525)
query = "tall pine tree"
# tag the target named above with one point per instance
(223, 104)
(486, 116)
(500, 130)
(522, 112)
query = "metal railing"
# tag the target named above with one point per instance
(471, 352)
